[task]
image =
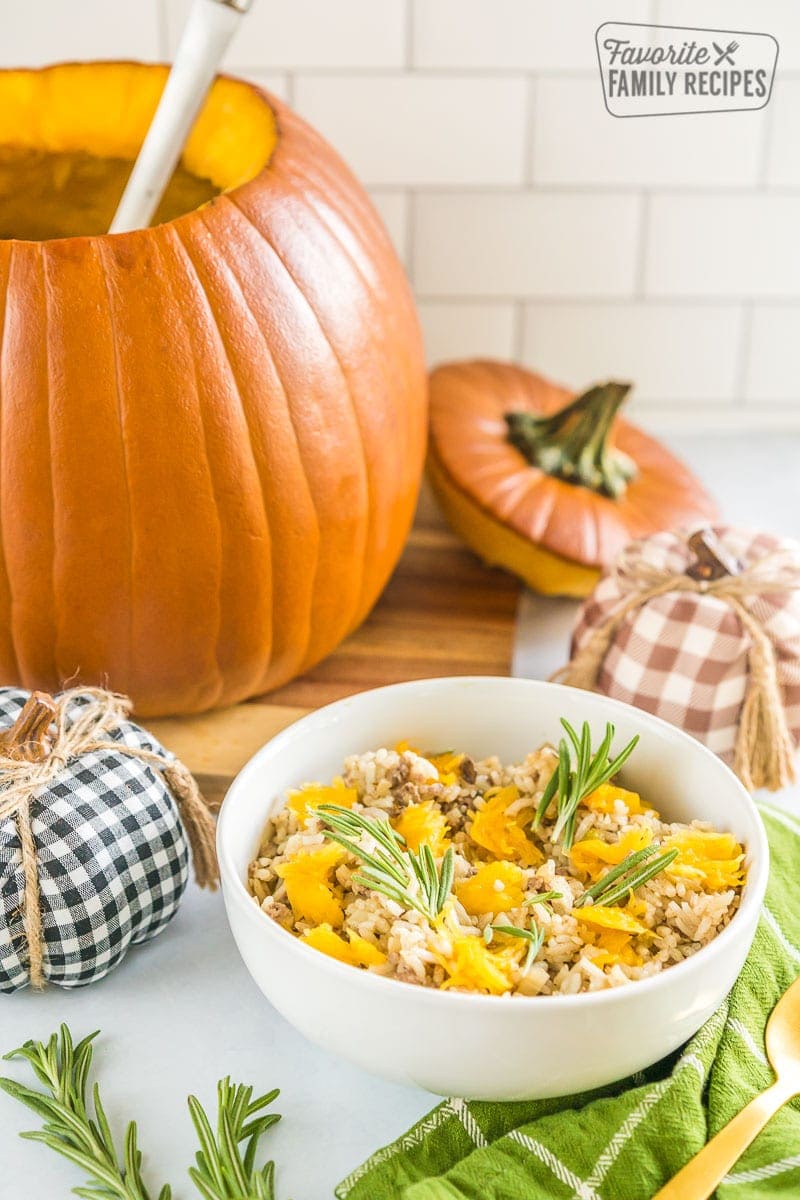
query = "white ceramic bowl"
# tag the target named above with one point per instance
(470, 1045)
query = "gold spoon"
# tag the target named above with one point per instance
(697, 1180)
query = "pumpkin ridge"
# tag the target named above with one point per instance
(210, 691)
(171, 499)
(329, 518)
(5, 582)
(342, 185)
(354, 202)
(46, 528)
(366, 474)
(129, 608)
(265, 651)
(369, 288)
(213, 698)
(362, 601)
(296, 659)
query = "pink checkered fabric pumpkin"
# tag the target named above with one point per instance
(717, 656)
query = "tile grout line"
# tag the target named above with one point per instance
(692, 191)
(162, 30)
(410, 234)
(518, 330)
(765, 148)
(642, 243)
(408, 33)
(529, 146)
(743, 355)
(379, 70)
(580, 300)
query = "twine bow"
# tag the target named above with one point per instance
(764, 752)
(40, 744)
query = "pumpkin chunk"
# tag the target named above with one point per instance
(604, 798)
(447, 764)
(364, 952)
(610, 918)
(713, 858)
(592, 855)
(308, 886)
(356, 952)
(303, 801)
(493, 829)
(495, 887)
(423, 823)
(472, 965)
(615, 947)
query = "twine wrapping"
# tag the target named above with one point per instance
(764, 752)
(27, 768)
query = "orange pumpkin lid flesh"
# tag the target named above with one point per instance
(545, 483)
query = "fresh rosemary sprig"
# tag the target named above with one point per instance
(222, 1170)
(627, 876)
(533, 936)
(543, 898)
(570, 784)
(391, 869)
(69, 1129)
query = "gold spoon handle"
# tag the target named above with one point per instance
(697, 1180)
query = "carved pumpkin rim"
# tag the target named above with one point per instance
(208, 150)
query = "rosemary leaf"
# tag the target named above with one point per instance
(570, 783)
(63, 1068)
(629, 883)
(222, 1170)
(548, 795)
(446, 878)
(543, 898)
(628, 863)
(534, 937)
(410, 878)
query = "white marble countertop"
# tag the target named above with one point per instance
(183, 1011)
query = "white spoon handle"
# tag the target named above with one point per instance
(208, 31)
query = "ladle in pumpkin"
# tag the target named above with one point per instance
(211, 25)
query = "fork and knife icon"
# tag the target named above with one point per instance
(726, 54)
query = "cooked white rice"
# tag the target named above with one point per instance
(680, 910)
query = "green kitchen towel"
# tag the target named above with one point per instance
(623, 1142)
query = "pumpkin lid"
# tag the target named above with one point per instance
(480, 412)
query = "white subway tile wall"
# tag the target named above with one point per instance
(532, 223)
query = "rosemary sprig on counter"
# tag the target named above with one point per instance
(571, 783)
(391, 869)
(627, 876)
(222, 1170)
(533, 936)
(69, 1129)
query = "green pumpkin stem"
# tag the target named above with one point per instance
(573, 444)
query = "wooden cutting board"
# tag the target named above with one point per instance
(443, 613)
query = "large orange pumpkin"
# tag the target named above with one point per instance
(212, 430)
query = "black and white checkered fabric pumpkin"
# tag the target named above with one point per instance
(112, 854)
